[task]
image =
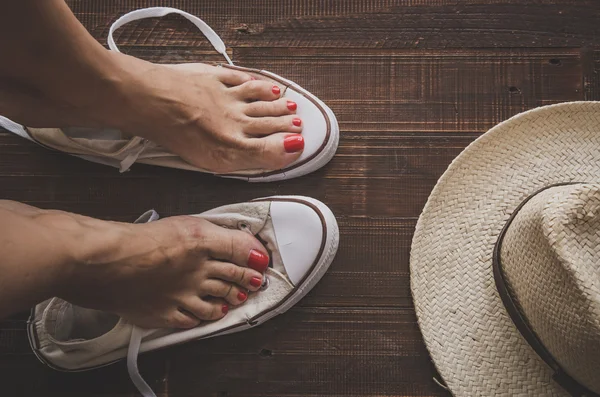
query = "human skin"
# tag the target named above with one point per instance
(170, 273)
(55, 74)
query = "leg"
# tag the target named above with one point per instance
(55, 75)
(170, 273)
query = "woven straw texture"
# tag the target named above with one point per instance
(550, 258)
(473, 343)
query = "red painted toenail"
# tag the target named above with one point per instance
(292, 105)
(293, 143)
(276, 90)
(258, 261)
(297, 122)
(242, 296)
(225, 309)
(255, 282)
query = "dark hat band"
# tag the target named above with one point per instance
(560, 376)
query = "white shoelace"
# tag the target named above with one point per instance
(137, 334)
(156, 12)
(135, 342)
(14, 127)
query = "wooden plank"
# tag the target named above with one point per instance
(370, 176)
(308, 352)
(359, 24)
(591, 76)
(415, 91)
(441, 91)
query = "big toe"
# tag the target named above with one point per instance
(275, 151)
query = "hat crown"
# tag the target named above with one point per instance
(550, 259)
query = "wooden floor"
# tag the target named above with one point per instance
(412, 83)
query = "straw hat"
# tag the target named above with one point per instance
(505, 261)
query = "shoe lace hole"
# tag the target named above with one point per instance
(265, 284)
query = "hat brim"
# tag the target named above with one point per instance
(473, 342)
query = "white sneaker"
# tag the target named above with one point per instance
(302, 236)
(110, 147)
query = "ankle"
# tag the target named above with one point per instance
(104, 99)
(129, 81)
(88, 245)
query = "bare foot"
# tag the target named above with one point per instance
(171, 273)
(216, 118)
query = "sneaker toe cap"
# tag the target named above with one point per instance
(299, 233)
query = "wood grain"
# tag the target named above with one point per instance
(360, 24)
(412, 83)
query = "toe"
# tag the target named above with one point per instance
(233, 77)
(280, 107)
(261, 126)
(224, 75)
(243, 277)
(181, 319)
(257, 90)
(226, 290)
(275, 151)
(206, 309)
(234, 246)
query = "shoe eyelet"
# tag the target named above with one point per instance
(243, 226)
(265, 284)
